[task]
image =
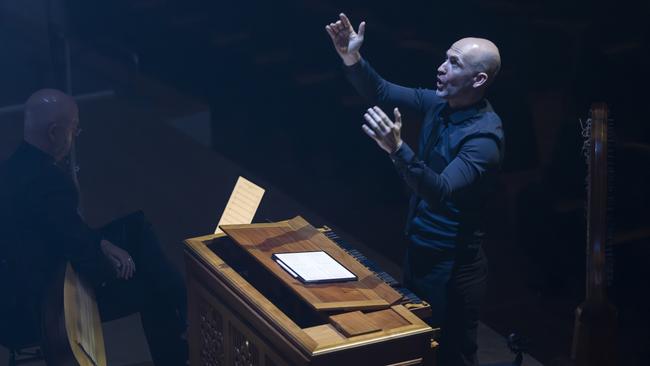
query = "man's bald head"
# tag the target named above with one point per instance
(470, 66)
(51, 120)
(480, 53)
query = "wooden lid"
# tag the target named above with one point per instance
(297, 235)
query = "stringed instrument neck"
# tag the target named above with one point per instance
(594, 342)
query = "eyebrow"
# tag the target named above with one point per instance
(455, 58)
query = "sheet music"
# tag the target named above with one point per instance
(242, 204)
(315, 266)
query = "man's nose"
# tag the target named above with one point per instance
(441, 68)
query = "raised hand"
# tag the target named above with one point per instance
(380, 128)
(346, 41)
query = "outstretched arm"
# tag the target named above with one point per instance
(378, 91)
(347, 43)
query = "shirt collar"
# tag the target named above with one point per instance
(456, 116)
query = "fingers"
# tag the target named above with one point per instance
(380, 118)
(125, 268)
(132, 265)
(337, 31)
(125, 272)
(369, 132)
(372, 116)
(372, 124)
(333, 29)
(338, 27)
(330, 31)
(130, 268)
(124, 265)
(343, 24)
(121, 268)
(345, 21)
(383, 116)
(116, 265)
(382, 129)
(120, 258)
(398, 118)
(378, 122)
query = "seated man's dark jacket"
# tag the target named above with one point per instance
(40, 230)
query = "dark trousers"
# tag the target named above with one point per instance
(156, 291)
(454, 284)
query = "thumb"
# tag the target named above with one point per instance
(398, 118)
(362, 29)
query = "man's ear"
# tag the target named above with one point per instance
(480, 79)
(52, 131)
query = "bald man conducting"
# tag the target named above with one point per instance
(41, 230)
(454, 171)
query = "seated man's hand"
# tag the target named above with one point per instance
(119, 258)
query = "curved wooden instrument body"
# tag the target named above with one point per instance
(72, 330)
(594, 340)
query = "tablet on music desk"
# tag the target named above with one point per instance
(314, 267)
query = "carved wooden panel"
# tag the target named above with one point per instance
(212, 351)
(245, 353)
(218, 336)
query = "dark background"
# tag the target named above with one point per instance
(281, 108)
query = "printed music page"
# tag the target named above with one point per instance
(242, 204)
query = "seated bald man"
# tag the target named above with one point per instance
(460, 150)
(42, 229)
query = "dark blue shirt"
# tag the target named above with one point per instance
(460, 152)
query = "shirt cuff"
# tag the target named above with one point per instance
(402, 157)
(354, 68)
